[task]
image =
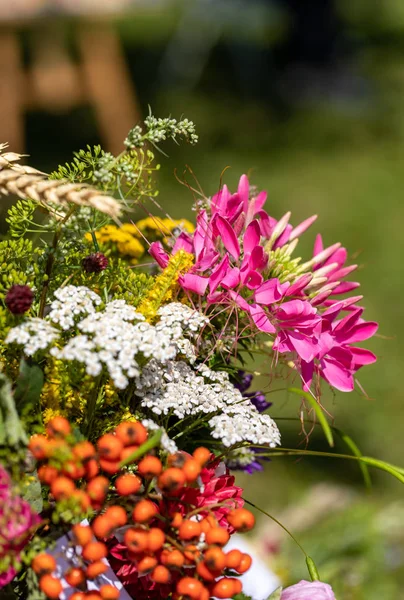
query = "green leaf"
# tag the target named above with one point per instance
(311, 566)
(33, 493)
(276, 595)
(355, 450)
(10, 425)
(29, 384)
(319, 413)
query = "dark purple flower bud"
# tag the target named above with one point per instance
(259, 400)
(95, 263)
(19, 299)
(243, 381)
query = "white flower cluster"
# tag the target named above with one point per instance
(178, 390)
(191, 321)
(115, 338)
(35, 334)
(72, 302)
(166, 442)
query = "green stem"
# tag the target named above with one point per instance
(148, 445)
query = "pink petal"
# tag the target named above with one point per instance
(267, 223)
(270, 291)
(362, 357)
(360, 332)
(261, 319)
(194, 283)
(183, 242)
(252, 237)
(283, 238)
(258, 259)
(302, 227)
(220, 199)
(218, 274)
(159, 254)
(339, 257)
(232, 279)
(228, 236)
(255, 205)
(299, 284)
(244, 191)
(306, 371)
(304, 346)
(308, 590)
(201, 232)
(345, 287)
(318, 245)
(341, 273)
(337, 375)
(239, 300)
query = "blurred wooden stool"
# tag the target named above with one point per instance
(53, 82)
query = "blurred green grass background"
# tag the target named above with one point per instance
(344, 162)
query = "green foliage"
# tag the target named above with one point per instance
(19, 217)
(11, 430)
(29, 384)
(159, 130)
(16, 263)
(82, 167)
(276, 595)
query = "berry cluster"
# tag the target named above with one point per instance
(174, 544)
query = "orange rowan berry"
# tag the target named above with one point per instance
(102, 526)
(241, 519)
(62, 487)
(171, 480)
(245, 564)
(238, 586)
(94, 551)
(233, 559)
(84, 451)
(218, 536)
(150, 466)
(117, 515)
(131, 433)
(82, 534)
(75, 577)
(95, 569)
(192, 469)
(215, 559)
(206, 573)
(97, 488)
(50, 586)
(93, 595)
(172, 558)
(224, 588)
(78, 596)
(189, 587)
(176, 520)
(136, 539)
(128, 451)
(189, 530)
(160, 574)
(128, 484)
(58, 448)
(43, 563)
(91, 468)
(37, 445)
(58, 427)
(82, 498)
(109, 592)
(109, 446)
(191, 553)
(155, 539)
(205, 594)
(207, 523)
(144, 511)
(202, 455)
(73, 469)
(176, 460)
(146, 564)
(110, 466)
(47, 474)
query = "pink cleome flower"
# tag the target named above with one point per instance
(308, 590)
(244, 259)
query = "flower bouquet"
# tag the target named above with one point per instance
(128, 349)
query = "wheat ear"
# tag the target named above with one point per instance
(27, 182)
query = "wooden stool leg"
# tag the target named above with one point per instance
(11, 92)
(107, 84)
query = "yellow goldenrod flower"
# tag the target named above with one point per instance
(165, 284)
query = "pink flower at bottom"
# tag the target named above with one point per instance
(308, 590)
